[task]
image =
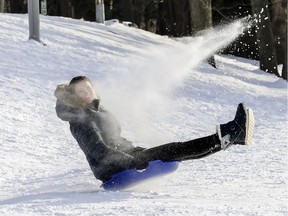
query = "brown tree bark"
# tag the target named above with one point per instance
(267, 53)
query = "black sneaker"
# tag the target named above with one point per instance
(240, 130)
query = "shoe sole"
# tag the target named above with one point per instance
(250, 123)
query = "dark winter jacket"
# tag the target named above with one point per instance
(98, 135)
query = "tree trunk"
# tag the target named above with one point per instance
(200, 14)
(171, 17)
(267, 53)
(279, 28)
(66, 8)
(161, 19)
(201, 18)
(2, 6)
(284, 69)
(139, 13)
(15, 6)
(123, 10)
(179, 16)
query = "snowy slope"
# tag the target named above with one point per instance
(160, 91)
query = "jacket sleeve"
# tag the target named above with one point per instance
(92, 144)
(68, 113)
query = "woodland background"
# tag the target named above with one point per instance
(266, 41)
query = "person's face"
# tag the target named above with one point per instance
(85, 92)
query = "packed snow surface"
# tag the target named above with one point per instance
(160, 90)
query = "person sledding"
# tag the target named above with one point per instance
(98, 134)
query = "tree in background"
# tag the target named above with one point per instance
(279, 29)
(173, 18)
(267, 52)
(201, 19)
(2, 6)
(53, 7)
(16, 6)
(123, 10)
(66, 8)
(186, 17)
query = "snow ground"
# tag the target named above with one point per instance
(160, 91)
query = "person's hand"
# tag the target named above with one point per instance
(138, 164)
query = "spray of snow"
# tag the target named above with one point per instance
(154, 75)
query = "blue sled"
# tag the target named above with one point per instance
(131, 177)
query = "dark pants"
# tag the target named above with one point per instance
(179, 151)
(175, 151)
